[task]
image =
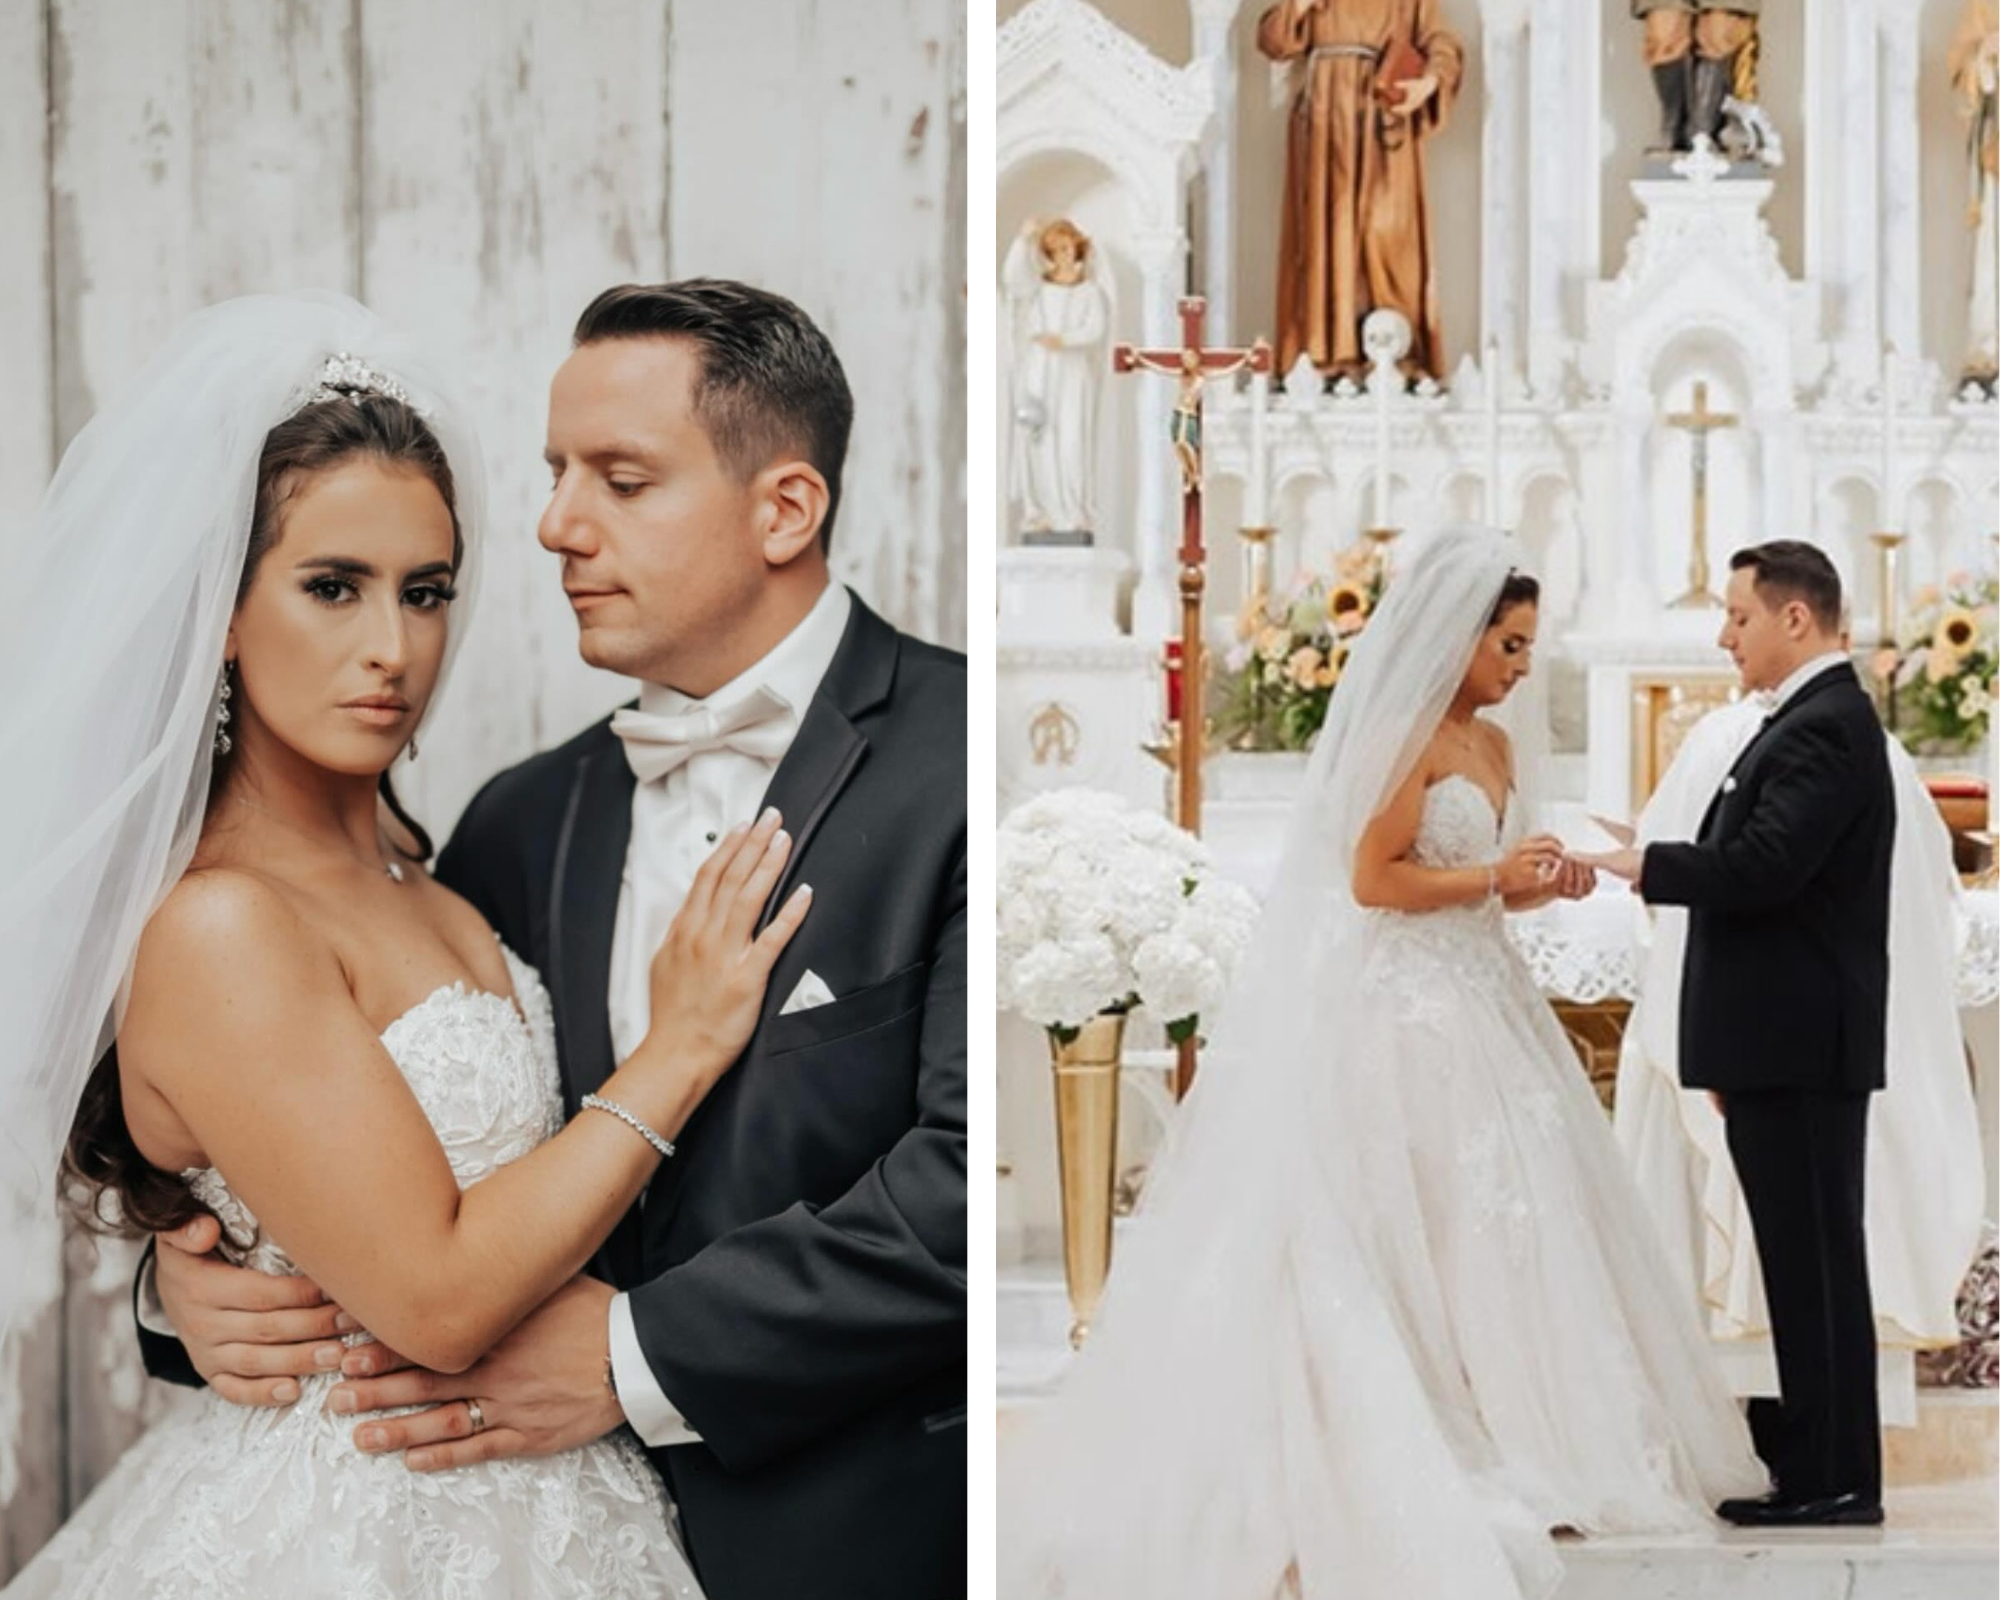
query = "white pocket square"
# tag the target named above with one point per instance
(811, 991)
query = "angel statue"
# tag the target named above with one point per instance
(1059, 296)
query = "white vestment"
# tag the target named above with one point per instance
(1924, 1177)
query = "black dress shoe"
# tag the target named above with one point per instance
(1778, 1510)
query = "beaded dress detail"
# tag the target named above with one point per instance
(228, 1502)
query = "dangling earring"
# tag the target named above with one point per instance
(413, 747)
(222, 740)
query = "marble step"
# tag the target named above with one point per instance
(1956, 1439)
(1939, 1544)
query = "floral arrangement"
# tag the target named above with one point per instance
(1289, 654)
(1104, 906)
(1943, 666)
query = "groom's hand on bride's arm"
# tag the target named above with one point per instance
(541, 1389)
(251, 1335)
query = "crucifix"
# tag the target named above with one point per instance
(1193, 364)
(1700, 423)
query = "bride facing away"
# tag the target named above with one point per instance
(1391, 1313)
(225, 960)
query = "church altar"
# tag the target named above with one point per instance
(1648, 363)
(1612, 323)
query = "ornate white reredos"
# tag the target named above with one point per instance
(1703, 262)
(1070, 81)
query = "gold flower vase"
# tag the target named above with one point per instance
(1086, 1082)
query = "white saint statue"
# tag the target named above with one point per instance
(1975, 71)
(1057, 294)
(1925, 1182)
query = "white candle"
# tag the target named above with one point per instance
(1888, 523)
(1492, 376)
(1383, 372)
(1256, 511)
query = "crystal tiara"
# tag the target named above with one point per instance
(344, 376)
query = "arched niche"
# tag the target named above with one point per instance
(1734, 477)
(1068, 183)
(1933, 515)
(1551, 534)
(1461, 498)
(1070, 84)
(1844, 518)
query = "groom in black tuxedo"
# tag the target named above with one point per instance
(782, 1318)
(1783, 1016)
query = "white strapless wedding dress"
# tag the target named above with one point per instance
(226, 1502)
(1419, 1321)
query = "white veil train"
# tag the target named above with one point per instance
(120, 588)
(1247, 1414)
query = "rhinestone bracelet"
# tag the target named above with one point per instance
(593, 1102)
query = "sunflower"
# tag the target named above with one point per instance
(1957, 632)
(1347, 600)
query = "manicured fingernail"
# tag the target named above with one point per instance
(780, 838)
(358, 1366)
(285, 1390)
(343, 1323)
(368, 1438)
(419, 1460)
(803, 892)
(343, 1402)
(328, 1356)
(769, 819)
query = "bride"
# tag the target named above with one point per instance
(224, 958)
(1392, 1312)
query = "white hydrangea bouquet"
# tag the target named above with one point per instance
(1104, 907)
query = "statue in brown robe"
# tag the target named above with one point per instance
(1355, 233)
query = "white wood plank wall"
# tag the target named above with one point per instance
(476, 170)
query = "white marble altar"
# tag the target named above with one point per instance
(1601, 293)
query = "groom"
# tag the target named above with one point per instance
(1784, 1011)
(782, 1317)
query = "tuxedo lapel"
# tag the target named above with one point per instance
(829, 746)
(589, 869)
(1827, 680)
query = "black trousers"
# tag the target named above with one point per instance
(1801, 1158)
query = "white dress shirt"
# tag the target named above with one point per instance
(676, 822)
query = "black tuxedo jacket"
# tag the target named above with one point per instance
(797, 1270)
(1786, 979)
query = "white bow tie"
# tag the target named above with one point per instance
(655, 743)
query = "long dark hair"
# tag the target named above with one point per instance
(1518, 588)
(100, 1162)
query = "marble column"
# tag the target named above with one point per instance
(1503, 175)
(1634, 581)
(1215, 44)
(1162, 260)
(1900, 221)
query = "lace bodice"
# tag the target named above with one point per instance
(1458, 828)
(228, 1502)
(483, 1068)
(1418, 956)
